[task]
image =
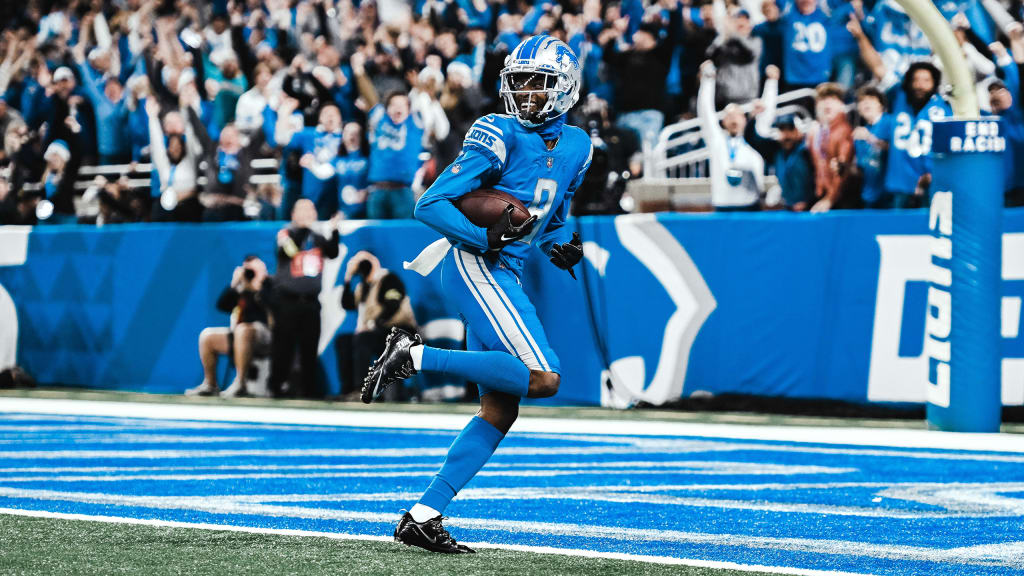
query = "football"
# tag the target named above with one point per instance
(485, 206)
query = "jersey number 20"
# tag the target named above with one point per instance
(809, 37)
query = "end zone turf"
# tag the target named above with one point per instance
(716, 499)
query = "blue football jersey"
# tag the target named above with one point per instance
(350, 173)
(871, 159)
(895, 36)
(806, 51)
(910, 144)
(324, 147)
(500, 153)
(979, 20)
(394, 148)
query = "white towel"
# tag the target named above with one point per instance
(429, 258)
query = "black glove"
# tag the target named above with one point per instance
(504, 232)
(567, 255)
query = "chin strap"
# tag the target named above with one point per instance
(551, 129)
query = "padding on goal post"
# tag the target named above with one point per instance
(962, 338)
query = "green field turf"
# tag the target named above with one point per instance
(47, 546)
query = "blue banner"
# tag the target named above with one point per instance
(669, 305)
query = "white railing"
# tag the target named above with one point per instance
(138, 174)
(141, 171)
(680, 153)
(138, 177)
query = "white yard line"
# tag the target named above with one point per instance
(419, 473)
(534, 549)
(83, 439)
(276, 506)
(889, 437)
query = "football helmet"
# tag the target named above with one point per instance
(540, 65)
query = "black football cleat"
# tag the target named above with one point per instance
(394, 364)
(429, 535)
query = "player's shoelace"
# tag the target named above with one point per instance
(405, 371)
(443, 537)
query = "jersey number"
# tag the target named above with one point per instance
(915, 139)
(389, 137)
(809, 37)
(543, 198)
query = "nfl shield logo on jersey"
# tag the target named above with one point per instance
(550, 162)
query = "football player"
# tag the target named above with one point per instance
(531, 154)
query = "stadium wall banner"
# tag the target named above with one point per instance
(665, 306)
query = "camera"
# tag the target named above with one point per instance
(249, 274)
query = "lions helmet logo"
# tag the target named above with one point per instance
(563, 52)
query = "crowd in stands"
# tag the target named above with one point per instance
(360, 103)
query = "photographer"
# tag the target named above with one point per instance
(300, 261)
(248, 335)
(382, 301)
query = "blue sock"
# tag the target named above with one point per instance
(469, 452)
(495, 370)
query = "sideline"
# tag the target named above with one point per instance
(850, 436)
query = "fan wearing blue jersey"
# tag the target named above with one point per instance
(871, 141)
(806, 50)
(351, 167)
(398, 126)
(318, 147)
(532, 155)
(914, 104)
(889, 39)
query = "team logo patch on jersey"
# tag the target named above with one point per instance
(456, 168)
